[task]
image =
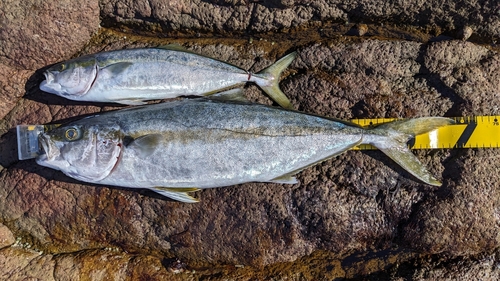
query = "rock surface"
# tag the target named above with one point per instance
(6, 237)
(355, 215)
(229, 16)
(36, 33)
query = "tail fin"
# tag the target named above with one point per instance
(271, 76)
(393, 144)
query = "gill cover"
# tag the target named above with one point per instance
(71, 78)
(84, 153)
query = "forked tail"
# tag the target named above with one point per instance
(391, 139)
(271, 79)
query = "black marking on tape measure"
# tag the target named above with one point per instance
(467, 133)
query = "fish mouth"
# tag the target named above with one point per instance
(48, 157)
(48, 85)
(49, 77)
(44, 142)
(41, 158)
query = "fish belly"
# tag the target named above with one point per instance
(212, 144)
(205, 165)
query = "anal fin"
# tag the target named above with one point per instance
(229, 95)
(286, 179)
(130, 101)
(179, 194)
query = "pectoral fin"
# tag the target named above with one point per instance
(117, 68)
(144, 145)
(179, 194)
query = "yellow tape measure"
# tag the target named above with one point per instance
(468, 132)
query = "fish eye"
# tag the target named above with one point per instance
(61, 67)
(72, 134)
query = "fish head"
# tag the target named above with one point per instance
(71, 79)
(84, 152)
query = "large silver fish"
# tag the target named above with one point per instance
(177, 147)
(137, 75)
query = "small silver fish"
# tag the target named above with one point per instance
(137, 75)
(176, 147)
